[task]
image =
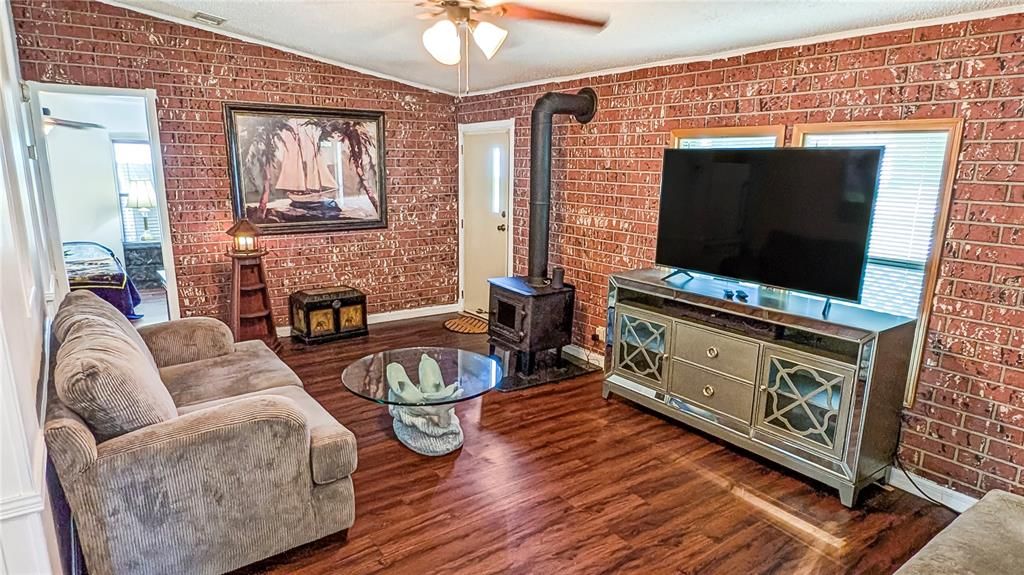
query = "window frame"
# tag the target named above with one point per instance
(954, 129)
(777, 130)
(116, 139)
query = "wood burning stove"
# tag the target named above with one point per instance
(533, 315)
(528, 320)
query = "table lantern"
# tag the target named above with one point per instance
(245, 238)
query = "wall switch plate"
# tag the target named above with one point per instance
(602, 334)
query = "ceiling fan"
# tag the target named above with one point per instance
(442, 39)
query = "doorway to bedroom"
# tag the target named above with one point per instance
(100, 168)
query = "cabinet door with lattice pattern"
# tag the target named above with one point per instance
(641, 343)
(804, 400)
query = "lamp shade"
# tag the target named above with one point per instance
(488, 37)
(442, 41)
(245, 237)
(141, 195)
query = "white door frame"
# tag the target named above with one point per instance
(492, 127)
(49, 205)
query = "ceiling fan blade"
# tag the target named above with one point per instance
(522, 12)
(72, 124)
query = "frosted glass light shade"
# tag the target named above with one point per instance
(442, 41)
(488, 37)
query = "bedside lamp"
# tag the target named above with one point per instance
(244, 237)
(142, 197)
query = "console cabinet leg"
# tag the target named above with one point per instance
(605, 391)
(848, 495)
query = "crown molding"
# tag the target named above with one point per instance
(974, 15)
(266, 43)
(852, 33)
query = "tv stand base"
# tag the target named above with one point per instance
(676, 273)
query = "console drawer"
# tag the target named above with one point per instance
(728, 355)
(711, 390)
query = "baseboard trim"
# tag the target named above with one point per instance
(591, 357)
(384, 317)
(955, 500)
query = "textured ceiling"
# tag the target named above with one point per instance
(383, 36)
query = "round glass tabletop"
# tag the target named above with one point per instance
(422, 376)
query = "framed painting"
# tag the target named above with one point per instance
(296, 169)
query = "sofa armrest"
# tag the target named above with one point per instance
(213, 488)
(70, 444)
(186, 340)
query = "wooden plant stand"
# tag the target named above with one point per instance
(251, 316)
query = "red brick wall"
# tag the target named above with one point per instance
(967, 427)
(413, 263)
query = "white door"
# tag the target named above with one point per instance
(84, 189)
(485, 210)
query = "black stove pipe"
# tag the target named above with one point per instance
(583, 106)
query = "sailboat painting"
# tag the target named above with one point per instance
(296, 169)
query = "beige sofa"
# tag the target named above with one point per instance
(987, 539)
(181, 451)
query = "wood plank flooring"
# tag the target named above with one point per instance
(556, 480)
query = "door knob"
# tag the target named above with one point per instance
(502, 227)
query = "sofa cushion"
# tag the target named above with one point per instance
(103, 376)
(81, 305)
(252, 367)
(332, 446)
(986, 539)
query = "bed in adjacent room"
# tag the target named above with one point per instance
(94, 267)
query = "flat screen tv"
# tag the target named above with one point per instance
(793, 218)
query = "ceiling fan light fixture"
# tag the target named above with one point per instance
(442, 41)
(488, 37)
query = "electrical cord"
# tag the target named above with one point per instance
(910, 478)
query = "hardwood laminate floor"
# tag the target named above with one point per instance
(557, 480)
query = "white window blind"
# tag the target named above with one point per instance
(133, 163)
(727, 142)
(903, 224)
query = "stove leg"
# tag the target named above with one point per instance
(490, 349)
(559, 362)
(531, 363)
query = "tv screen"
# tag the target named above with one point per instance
(794, 218)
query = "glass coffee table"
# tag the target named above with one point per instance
(420, 386)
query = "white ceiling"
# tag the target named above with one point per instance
(382, 37)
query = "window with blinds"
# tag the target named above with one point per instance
(134, 166)
(906, 208)
(712, 143)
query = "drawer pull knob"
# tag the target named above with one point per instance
(712, 352)
(708, 391)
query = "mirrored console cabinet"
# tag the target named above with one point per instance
(819, 394)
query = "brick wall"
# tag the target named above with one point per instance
(967, 427)
(413, 263)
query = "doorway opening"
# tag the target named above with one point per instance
(486, 163)
(103, 188)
